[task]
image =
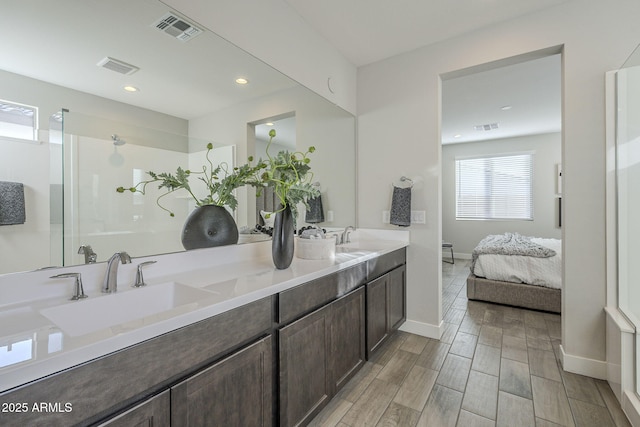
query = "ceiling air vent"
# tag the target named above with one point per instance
(117, 66)
(177, 27)
(491, 126)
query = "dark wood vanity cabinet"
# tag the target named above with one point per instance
(377, 318)
(153, 412)
(318, 354)
(236, 391)
(386, 302)
(274, 361)
(397, 297)
(347, 338)
(304, 368)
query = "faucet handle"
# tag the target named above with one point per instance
(139, 278)
(90, 257)
(79, 289)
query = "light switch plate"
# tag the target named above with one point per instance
(418, 217)
(386, 217)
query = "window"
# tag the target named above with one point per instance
(18, 120)
(495, 187)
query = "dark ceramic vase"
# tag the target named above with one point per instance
(209, 226)
(282, 239)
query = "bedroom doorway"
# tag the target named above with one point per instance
(501, 157)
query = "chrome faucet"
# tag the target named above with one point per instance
(78, 293)
(110, 283)
(90, 256)
(344, 238)
(139, 276)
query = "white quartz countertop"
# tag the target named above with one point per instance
(32, 346)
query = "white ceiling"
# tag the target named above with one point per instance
(61, 42)
(529, 91)
(285, 132)
(367, 31)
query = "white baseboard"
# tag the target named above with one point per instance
(583, 366)
(423, 329)
(631, 407)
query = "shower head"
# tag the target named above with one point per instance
(117, 141)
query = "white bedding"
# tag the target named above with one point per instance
(523, 269)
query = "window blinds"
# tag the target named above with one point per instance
(496, 187)
(18, 120)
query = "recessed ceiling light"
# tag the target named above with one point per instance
(269, 124)
(506, 107)
(242, 81)
(457, 135)
(130, 88)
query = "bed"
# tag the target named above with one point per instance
(517, 270)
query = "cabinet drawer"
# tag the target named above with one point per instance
(378, 266)
(302, 299)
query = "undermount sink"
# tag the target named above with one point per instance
(101, 312)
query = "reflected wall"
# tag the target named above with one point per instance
(101, 155)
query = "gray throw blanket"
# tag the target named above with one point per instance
(510, 244)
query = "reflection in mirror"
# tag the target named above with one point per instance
(285, 140)
(101, 155)
(187, 88)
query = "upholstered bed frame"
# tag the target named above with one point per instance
(516, 294)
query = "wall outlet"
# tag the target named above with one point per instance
(418, 217)
(329, 216)
(386, 217)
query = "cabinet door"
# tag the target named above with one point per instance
(347, 352)
(377, 318)
(236, 391)
(153, 412)
(397, 297)
(304, 368)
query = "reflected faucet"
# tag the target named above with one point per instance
(110, 283)
(90, 256)
(345, 234)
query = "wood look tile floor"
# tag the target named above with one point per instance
(493, 366)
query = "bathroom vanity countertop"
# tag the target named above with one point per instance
(32, 346)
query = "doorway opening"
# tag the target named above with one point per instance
(501, 160)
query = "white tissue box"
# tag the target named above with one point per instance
(315, 248)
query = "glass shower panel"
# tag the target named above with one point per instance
(102, 155)
(56, 212)
(628, 177)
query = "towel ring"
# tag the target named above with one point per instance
(405, 179)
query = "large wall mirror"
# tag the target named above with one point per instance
(65, 78)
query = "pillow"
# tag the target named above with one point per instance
(268, 222)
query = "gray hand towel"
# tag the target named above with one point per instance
(315, 213)
(401, 207)
(11, 203)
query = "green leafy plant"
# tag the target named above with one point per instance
(220, 182)
(290, 176)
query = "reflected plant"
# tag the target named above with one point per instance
(220, 181)
(290, 176)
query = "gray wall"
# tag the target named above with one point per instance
(465, 234)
